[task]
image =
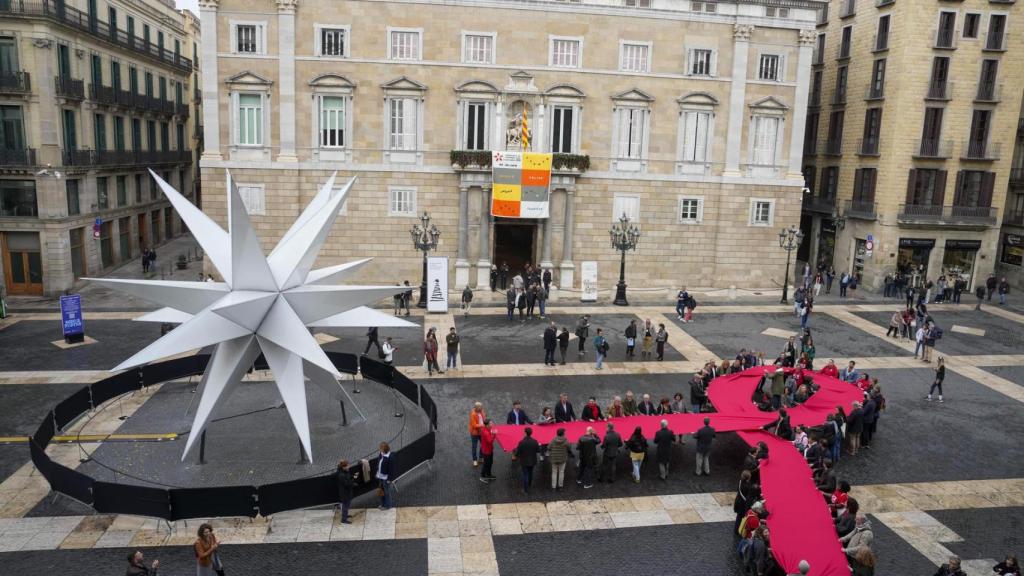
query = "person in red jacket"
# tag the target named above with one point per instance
(487, 451)
(830, 369)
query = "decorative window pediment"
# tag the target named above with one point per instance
(248, 79)
(520, 81)
(634, 96)
(697, 100)
(768, 105)
(476, 87)
(565, 91)
(332, 81)
(403, 84)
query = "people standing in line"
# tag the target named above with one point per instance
(564, 411)
(582, 331)
(137, 565)
(563, 343)
(550, 340)
(591, 411)
(704, 437)
(1003, 289)
(510, 303)
(430, 353)
(526, 453)
(940, 375)
(637, 446)
(531, 301)
(385, 482)
(648, 340)
(521, 303)
(630, 334)
(371, 340)
(854, 427)
(476, 424)
(487, 452)
(346, 484)
(659, 341)
(452, 341)
(494, 277)
(558, 454)
(467, 300)
(546, 278)
(610, 447)
(664, 439)
(601, 349)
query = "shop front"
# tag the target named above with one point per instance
(1013, 250)
(959, 258)
(912, 258)
(827, 244)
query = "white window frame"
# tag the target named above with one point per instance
(419, 44)
(494, 47)
(631, 208)
(685, 139)
(691, 53)
(412, 201)
(236, 124)
(551, 50)
(254, 197)
(780, 70)
(345, 120)
(623, 44)
(699, 219)
(261, 36)
(577, 112)
(753, 207)
(318, 39)
(623, 161)
(463, 124)
(779, 132)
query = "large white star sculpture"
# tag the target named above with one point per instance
(266, 303)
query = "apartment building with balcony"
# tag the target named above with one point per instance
(93, 94)
(685, 115)
(908, 140)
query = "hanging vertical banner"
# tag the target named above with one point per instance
(437, 284)
(520, 184)
(588, 281)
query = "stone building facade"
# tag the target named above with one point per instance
(1011, 238)
(910, 134)
(687, 116)
(93, 93)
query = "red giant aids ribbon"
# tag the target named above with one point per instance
(799, 520)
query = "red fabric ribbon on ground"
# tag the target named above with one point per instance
(799, 522)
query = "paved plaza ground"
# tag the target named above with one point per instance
(939, 479)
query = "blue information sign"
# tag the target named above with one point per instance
(71, 315)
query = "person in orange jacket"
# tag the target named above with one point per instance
(476, 423)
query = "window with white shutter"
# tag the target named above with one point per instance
(250, 120)
(631, 126)
(478, 48)
(401, 201)
(402, 127)
(628, 205)
(691, 210)
(701, 62)
(761, 212)
(565, 52)
(634, 57)
(404, 45)
(695, 136)
(254, 198)
(765, 130)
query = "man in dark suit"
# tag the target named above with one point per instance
(550, 340)
(663, 441)
(646, 407)
(704, 437)
(526, 454)
(591, 412)
(587, 446)
(563, 410)
(611, 446)
(517, 416)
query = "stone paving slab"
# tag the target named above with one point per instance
(1002, 336)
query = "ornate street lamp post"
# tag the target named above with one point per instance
(789, 240)
(624, 237)
(424, 237)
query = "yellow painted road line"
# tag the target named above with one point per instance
(97, 438)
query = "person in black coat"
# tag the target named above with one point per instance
(547, 280)
(663, 441)
(587, 446)
(526, 453)
(517, 416)
(345, 485)
(563, 410)
(611, 446)
(550, 340)
(781, 426)
(855, 426)
(870, 417)
(646, 407)
(705, 436)
(563, 343)
(371, 340)
(591, 412)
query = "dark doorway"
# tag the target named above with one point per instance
(514, 243)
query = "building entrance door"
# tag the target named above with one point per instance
(143, 233)
(23, 263)
(514, 243)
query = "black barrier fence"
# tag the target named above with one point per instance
(183, 503)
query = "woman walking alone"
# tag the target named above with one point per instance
(430, 353)
(940, 375)
(207, 555)
(637, 446)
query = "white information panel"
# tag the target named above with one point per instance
(437, 284)
(588, 281)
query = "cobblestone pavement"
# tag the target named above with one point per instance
(939, 479)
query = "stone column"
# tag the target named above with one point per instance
(461, 260)
(566, 267)
(211, 102)
(286, 78)
(483, 264)
(545, 246)
(807, 40)
(737, 95)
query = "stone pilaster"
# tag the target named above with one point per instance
(211, 100)
(737, 95)
(483, 264)
(807, 40)
(566, 267)
(286, 73)
(461, 259)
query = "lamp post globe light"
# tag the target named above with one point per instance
(624, 237)
(789, 240)
(424, 238)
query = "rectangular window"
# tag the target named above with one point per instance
(162, 85)
(776, 12)
(872, 129)
(179, 130)
(136, 134)
(996, 32)
(706, 7)
(636, 3)
(882, 36)
(165, 136)
(562, 127)
(332, 121)
(926, 187)
(102, 193)
(145, 33)
(864, 180)
(970, 189)
(877, 88)
(100, 133)
(148, 79)
(987, 82)
(138, 188)
(819, 50)
(122, 190)
(168, 223)
(839, 95)
(944, 35)
(766, 131)
(834, 145)
(18, 198)
(246, 39)
(635, 57)
(981, 122)
(124, 227)
(816, 82)
(70, 132)
(333, 42)
(938, 87)
(402, 127)
(254, 198)
(626, 205)
(12, 129)
(768, 67)
(97, 70)
(71, 191)
(695, 136)
(115, 74)
(119, 133)
(404, 45)
(565, 53)
(475, 124)
(811, 133)
(160, 41)
(133, 80)
(700, 62)
(972, 24)
(76, 241)
(250, 119)
(401, 201)
(846, 42)
(829, 182)
(478, 49)
(760, 212)
(691, 210)
(631, 123)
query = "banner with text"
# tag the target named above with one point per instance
(520, 184)
(437, 284)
